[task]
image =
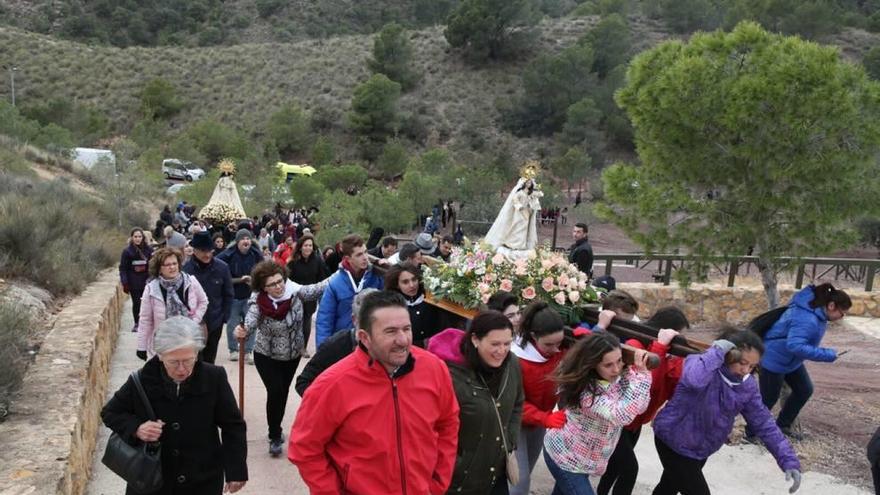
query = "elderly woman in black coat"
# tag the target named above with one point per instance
(192, 400)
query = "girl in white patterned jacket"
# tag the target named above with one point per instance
(600, 396)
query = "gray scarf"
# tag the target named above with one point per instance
(173, 305)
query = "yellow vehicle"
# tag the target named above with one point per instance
(287, 172)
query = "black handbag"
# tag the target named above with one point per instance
(141, 466)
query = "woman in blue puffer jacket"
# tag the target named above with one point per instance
(793, 339)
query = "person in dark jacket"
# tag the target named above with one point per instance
(874, 459)
(305, 268)
(581, 253)
(793, 339)
(384, 250)
(488, 386)
(216, 281)
(241, 256)
(406, 279)
(219, 243)
(339, 345)
(198, 422)
(133, 272)
(166, 216)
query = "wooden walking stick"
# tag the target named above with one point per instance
(241, 375)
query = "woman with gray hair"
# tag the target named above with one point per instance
(192, 400)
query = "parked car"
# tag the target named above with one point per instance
(178, 169)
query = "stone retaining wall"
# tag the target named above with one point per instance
(49, 437)
(713, 304)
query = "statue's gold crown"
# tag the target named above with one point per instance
(226, 166)
(530, 169)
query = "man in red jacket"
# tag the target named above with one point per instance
(382, 420)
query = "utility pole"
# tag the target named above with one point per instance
(12, 69)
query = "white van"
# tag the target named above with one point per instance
(178, 169)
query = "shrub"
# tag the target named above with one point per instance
(159, 100)
(342, 178)
(289, 128)
(393, 160)
(15, 327)
(392, 56)
(216, 140)
(483, 29)
(374, 108)
(322, 152)
(611, 43)
(266, 8)
(872, 63)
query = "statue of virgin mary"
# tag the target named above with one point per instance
(515, 230)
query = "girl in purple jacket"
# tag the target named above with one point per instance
(714, 388)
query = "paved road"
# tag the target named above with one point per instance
(732, 471)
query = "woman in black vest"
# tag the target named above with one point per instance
(406, 279)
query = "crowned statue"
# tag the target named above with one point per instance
(515, 230)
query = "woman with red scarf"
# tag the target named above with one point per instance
(275, 313)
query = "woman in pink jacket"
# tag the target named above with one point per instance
(169, 292)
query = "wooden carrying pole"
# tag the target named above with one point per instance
(680, 346)
(241, 357)
(467, 313)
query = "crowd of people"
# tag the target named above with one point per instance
(394, 400)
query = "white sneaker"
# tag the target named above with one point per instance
(249, 357)
(233, 355)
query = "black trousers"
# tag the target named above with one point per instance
(308, 311)
(277, 377)
(680, 474)
(209, 353)
(136, 305)
(623, 466)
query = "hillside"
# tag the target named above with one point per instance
(241, 85)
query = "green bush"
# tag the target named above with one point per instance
(393, 160)
(85, 123)
(215, 141)
(374, 108)
(343, 177)
(872, 63)
(323, 152)
(159, 100)
(51, 234)
(289, 128)
(393, 56)
(15, 328)
(611, 43)
(485, 29)
(266, 8)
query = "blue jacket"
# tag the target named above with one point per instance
(334, 311)
(795, 337)
(216, 280)
(698, 418)
(241, 265)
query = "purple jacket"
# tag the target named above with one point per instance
(699, 417)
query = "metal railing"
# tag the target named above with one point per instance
(851, 269)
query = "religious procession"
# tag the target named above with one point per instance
(441, 365)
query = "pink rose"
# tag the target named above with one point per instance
(528, 293)
(547, 284)
(564, 280)
(506, 285)
(521, 270)
(498, 259)
(574, 296)
(559, 298)
(546, 264)
(483, 288)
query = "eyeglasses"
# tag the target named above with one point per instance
(277, 283)
(176, 363)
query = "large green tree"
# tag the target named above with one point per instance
(485, 28)
(289, 128)
(747, 140)
(393, 56)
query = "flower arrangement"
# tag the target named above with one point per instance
(475, 272)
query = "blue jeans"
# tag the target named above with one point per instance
(236, 316)
(568, 483)
(771, 386)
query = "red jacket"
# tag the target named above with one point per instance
(538, 386)
(664, 378)
(359, 431)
